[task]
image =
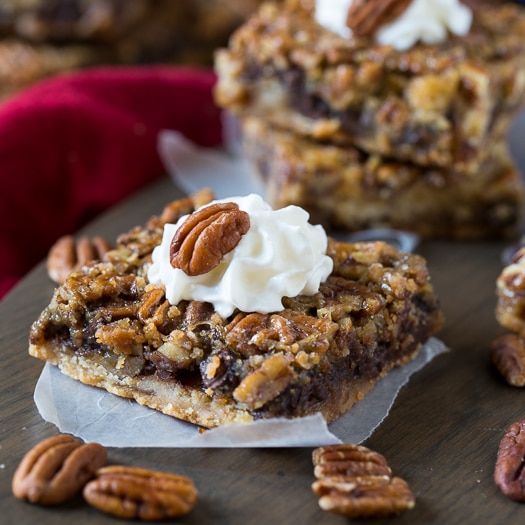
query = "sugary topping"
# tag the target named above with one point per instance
(428, 21)
(281, 255)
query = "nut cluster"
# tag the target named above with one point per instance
(365, 17)
(357, 482)
(60, 467)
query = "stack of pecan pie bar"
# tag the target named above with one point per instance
(366, 132)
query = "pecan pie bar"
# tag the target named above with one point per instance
(431, 104)
(343, 187)
(110, 327)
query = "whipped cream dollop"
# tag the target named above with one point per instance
(280, 255)
(428, 21)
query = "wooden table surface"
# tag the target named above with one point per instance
(441, 435)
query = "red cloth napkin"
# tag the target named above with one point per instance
(74, 145)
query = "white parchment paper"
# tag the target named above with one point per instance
(95, 415)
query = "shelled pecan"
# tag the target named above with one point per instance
(357, 482)
(509, 474)
(56, 469)
(206, 236)
(137, 493)
(365, 17)
(364, 496)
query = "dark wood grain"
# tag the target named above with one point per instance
(441, 435)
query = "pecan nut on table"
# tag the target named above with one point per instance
(68, 254)
(57, 469)
(60, 467)
(137, 493)
(509, 474)
(357, 482)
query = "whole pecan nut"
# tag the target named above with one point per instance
(365, 17)
(349, 460)
(364, 496)
(68, 255)
(202, 240)
(137, 493)
(57, 469)
(509, 474)
(357, 482)
(507, 353)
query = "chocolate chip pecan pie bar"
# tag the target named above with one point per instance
(110, 326)
(346, 188)
(434, 104)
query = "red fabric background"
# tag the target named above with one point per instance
(72, 146)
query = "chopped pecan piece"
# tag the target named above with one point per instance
(206, 236)
(265, 383)
(365, 17)
(137, 493)
(56, 469)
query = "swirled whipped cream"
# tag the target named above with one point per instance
(428, 21)
(281, 255)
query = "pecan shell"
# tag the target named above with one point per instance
(56, 469)
(365, 17)
(265, 383)
(202, 240)
(137, 493)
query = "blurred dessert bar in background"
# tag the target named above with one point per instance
(369, 117)
(345, 188)
(39, 38)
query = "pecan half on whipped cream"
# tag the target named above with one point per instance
(365, 17)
